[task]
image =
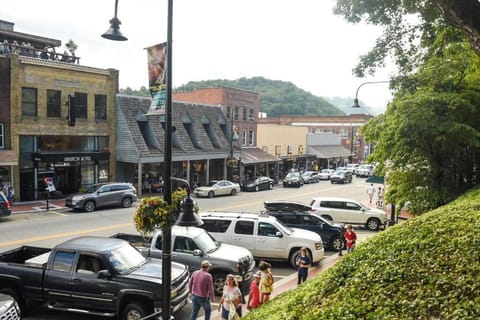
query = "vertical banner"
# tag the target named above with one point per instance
(156, 56)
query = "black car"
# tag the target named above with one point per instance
(341, 176)
(5, 206)
(293, 179)
(299, 215)
(257, 184)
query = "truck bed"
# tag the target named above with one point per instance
(135, 240)
(22, 254)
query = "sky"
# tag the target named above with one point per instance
(301, 41)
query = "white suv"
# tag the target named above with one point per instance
(264, 235)
(349, 211)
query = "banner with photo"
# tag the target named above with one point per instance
(156, 56)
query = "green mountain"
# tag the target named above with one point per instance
(276, 97)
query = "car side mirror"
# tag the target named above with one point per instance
(104, 274)
(279, 234)
(197, 253)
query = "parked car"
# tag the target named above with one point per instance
(310, 177)
(258, 183)
(93, 276)
(9, 309)
(349, 211)
(342, 176)
(352, 167)
(325, 174)
(365, 170)
(265, 236)
(191, 245)
(293, 179)
(5, 206)
(103, 195)
(218, 188)
(299, 215)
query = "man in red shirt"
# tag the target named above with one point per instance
(201, 289)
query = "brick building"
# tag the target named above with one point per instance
(37, 141)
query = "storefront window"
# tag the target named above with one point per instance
(88, 173)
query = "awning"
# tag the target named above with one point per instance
(327, 152)
(8, 158)
(376, 179)
(257, 155)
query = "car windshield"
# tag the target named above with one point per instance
(284, 228)
(293, 175)
(325, 170)
(126, 258)
(206, 243)
(212, 183)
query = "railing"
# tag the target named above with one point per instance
(29, 51)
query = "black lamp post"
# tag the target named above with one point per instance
(356, 105)
(114, 34)
(355, 101)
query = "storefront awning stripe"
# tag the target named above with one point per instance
(257, 155)
(328, 152)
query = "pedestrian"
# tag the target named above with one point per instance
(342, 234)
(303, 263)
(266, 281)
(254, 295)
(371, 192)
(231, 301)
(379, 198)
(201, 290)
(351, 238)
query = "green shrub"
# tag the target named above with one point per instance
(425, 268)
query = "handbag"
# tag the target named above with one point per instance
(232, 313)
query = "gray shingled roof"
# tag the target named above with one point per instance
(140, 137)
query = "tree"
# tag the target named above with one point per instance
(406, 25)
(428, 140)
(71, 47)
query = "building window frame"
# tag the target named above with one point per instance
(81, 105)
(251, 137)
(54, 103)
(100, 107)
(228, 112)
(244, 137)
(235, 114)
(29, 102)
(244, 114)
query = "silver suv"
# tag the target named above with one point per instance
(103, 195)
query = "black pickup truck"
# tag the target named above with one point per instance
(94, 275)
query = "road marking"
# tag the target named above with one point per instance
(62, 235)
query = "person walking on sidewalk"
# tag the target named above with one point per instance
(266, 281)
(231, 301)
(254, 295)
(371, 192)
(351, 238)
(303, 264)
(201, 289)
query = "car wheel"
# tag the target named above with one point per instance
(89, 206)
(14, 296)
(270, 186)
(337, 243)
(373, 224)
(257, 188)
(331, 181)
(292, 259)
(211, 194)
(233, 192)
(219, 281)
(135, 311)
(126, 202)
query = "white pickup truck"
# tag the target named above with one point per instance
(365, 170)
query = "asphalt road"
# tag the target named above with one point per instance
(47, 229)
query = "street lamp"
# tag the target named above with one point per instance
(356, 105)
(355, 101)
(114, 34)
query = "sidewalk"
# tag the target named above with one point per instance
(285, 284)
(37, 206)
